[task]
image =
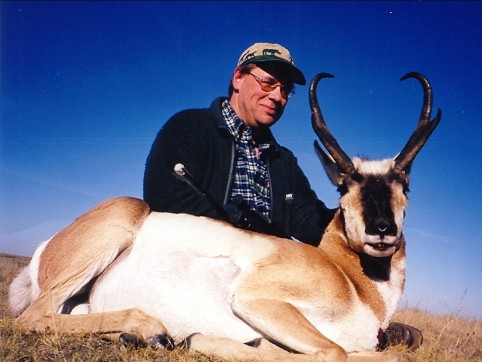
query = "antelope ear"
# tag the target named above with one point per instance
(330, 166)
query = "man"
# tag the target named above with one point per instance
(233, 157)
(235, 170)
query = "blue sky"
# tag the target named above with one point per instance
(85, 87)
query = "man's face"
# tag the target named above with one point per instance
(259, 98)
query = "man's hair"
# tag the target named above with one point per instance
(244, 69)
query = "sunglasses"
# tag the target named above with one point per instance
(271, 84)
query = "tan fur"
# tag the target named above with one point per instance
(266, 351)
(348, 263)
(111, 225)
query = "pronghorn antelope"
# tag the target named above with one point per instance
(229, 292)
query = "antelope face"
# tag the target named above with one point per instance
(373, 193)
(373, 201)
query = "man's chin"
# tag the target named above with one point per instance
(266, 122)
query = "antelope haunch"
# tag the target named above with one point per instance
(230, 292)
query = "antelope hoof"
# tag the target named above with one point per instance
(131, 340)
(399, 333)
(161, 341)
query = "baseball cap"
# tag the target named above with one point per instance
(270, 52)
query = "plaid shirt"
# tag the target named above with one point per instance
(251, 177)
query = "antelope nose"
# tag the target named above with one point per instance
(381, 227)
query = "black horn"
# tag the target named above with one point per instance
(321, 129)
(425, 126)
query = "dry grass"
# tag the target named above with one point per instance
(447, 338)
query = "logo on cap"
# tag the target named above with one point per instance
(265, 52)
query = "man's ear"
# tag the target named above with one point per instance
(330, 166)
(237, 79)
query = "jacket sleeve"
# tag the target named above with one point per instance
(309, 215)
(182, 139)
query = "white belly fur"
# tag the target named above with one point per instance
(183, 280)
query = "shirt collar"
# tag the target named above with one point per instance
(235, 125)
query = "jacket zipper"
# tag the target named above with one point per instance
(227, 195)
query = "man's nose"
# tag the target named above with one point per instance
(276, 95)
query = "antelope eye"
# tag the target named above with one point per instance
(400, 178)
(358, 178)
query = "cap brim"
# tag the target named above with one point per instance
(295, 74)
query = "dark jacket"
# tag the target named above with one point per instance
(200, 140)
